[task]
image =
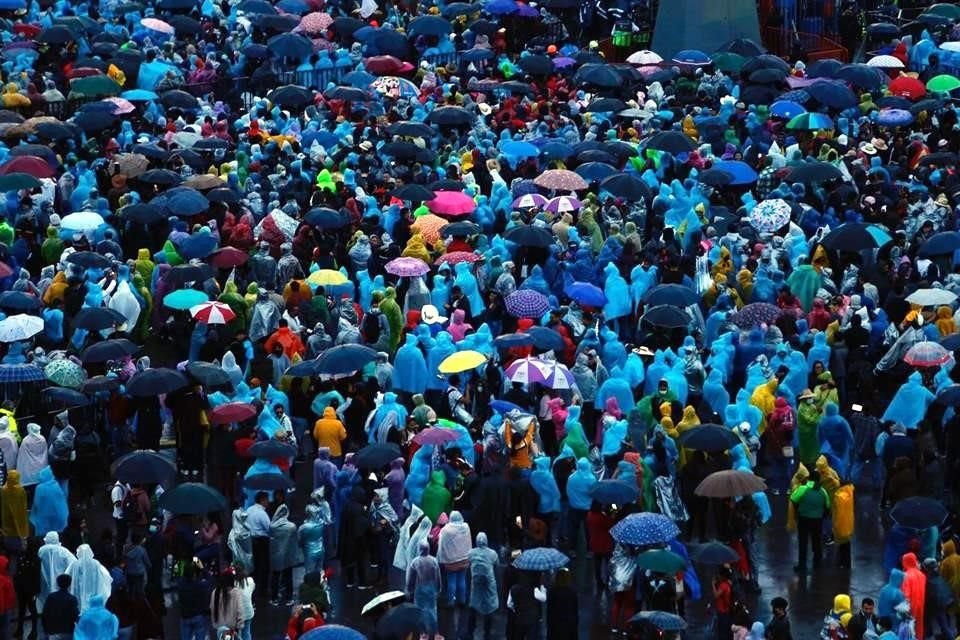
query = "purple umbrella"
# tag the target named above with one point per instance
(407, 267)
(436, 436)
(526, 11)
(562, 204)
(530, 201)
(753, 315)
(527, 303)
(526, 370)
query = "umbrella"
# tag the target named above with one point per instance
(212, 312)
(413, 193)
(107, 350)
(595, 170)
(606, 105)
(770, 215)
(627, 186)
(326, 218)
(535, 64)
(527, 303)
(461, 229)
(290, 45)
(742, 172)
(326, 278)
(436, 436)
(18, 181)
(826, 68)
(401, 620)
(661, 561)
(185, 273)
(861, 75)
(268, 482)
(755, 314)
(30, 165)
(95, 318)
(65, 373)
(660, 620)
(407, 151)
(144, 467)
(942, 158)
(562, 204)
(730, 483)
(461, 361)
(192, 498)
(377, 455)
(561, 180)
(943, 83)
(645, 529)
(931, 297)
(614, 492)
(545, 338)
(927, 354)
(232, 412)
(810, 121)
(529, 236)
(918, 512)
(155, 24)
(715, 178)
(291, 96)
(456, 257)
(644, 57)
(83, 221)
(451, 203)
(344, 359)
(715, 553)
(813, 173)
(390, 597)
(163, 177)
(950, 395)
(178, 99)
(786, 109)
(673, 142)
(183, 299)
(20, 327)
(586, 294)
(676, 295)
(228, 258)
(767, 76)
(510, 340)
(525, 371)
(709, 437)
(540, 559)
(666, 317)
(742, 46)
(894, 117)
(450, 117)
(519, 149)
(855, 236)
(142, 214)
(154, 382)
(691, 56)
(208, 374)
(832, 95)
(907, 87)
(943, 243)
(63, 398)
(14, 373)
(728, 62)
(333, 632)
(407, 267)
(272, 449)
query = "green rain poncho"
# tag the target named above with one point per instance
(804, 282)
(808, 417)
(647, 403)
(144, 265)
(436, 497)
(52, 247)
(232, 298)
(394, 315)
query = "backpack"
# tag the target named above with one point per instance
(370, 327)
(130, 508)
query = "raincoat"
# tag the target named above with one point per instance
(284, 554)
(436, 497)
(891, 594)
(90, 578)
(50, 510)
(410, 367)
(910, 403)
(544, 483)
(311, 533)
(54, 559)
(423, 582)
(13, 505)
(240, 542)
(455, 541)
(579, 484)
(96, 623)
(32, 456)
(835, 434)
(484, 597)
(915, 589)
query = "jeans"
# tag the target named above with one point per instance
(457, 587)
(194, 628)
(282, 584)
(246, 629)
(780, 471)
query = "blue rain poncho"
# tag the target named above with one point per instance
(468, 285)
(715, 393)
(743, 411)
(416, 481)
(442, 347)
(613, 354)
(741, 461)
(391, 414)
(543, 482)
(819, 352)
(96, 623)
(891, 594)
(835, 433)
(617, 387)
(618, 293)
(410, 368)
(633, 370)
(536, 281)
(50, 510)
(655, 372)
(641, 280)
(579, 484)
(910, 403)
(613, 436)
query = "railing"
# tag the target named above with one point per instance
(787, 43)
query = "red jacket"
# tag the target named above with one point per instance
(598, 532)
(8, 597)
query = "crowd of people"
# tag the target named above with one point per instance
(427, 304)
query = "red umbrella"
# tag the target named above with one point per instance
(212, 313)
(386, 65)
(907, 87)
(232, 412)
(31, 165)
(455, 257)
(228, 258)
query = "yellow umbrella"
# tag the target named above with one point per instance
(429, 227)
(462, 361)
(326, 278)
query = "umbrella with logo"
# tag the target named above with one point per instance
(20, 327)
(407, 267)
(526, 370)
(527, 303)
(927, 354)
(530, 201)
(144, 466)
(646, 528)
(730, 483)
(557, 376)
(562, 204)
(65, 373)
(212, 312)
(540, 559)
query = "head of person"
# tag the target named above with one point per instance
(64, 581)
(867, 606)
(262, 498)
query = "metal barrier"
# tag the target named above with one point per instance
(785, 42)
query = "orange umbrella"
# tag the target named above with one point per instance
(429, 227)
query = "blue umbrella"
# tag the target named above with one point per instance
(326, 218)
(895, 102)
(742, 172)
(290, 45)
(540, 559)
(628, 186)
(387, 42)
(358, 79)
(661, 620)
(586, 294)
(554, 150)
(594, 171)
(598, 75)
(97, 319)
(144, 467)
(940, 244)
(333, 632)
(894, 117)
(715, 553)
(831, 94)
(786, 109)
(344, 359)
(64, 398)
(456, 9)
(645, 529)
(862, 75)
(810, 121)
(614, 492)
(523, 187)
(476, 55)
(797, 95)
(197, 245)
(11, 373)
(823, 68)
(184, 201)
(139, 95)
(19, 301)
(193, 498)
(501, 7)
(545, 338)
(918, 512)
(691, 56)
(256, 51)
(675, 295)
(510, 340)
(527, 303)
(183, 299)
(519, 149)
(298, 7)
(153, 382)
(500, 406)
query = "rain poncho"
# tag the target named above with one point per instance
(910, 403)
(50, 510)
(265, 317)
(310, 535)
(915, 589)
(96, 623)
(54, 560)
(32, 456)
(389, 415)
(410, 368)
(483, 579)
(618, 293)
(579, 485)
(544, 483)
(407, 530)
(455, 541)
(837, 437)
(436, 497)
(284, 554)
(90, 578)
(240, 542)
(891, 594)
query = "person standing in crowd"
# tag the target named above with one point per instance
(812, 502)
(258, 522)
(61, 611)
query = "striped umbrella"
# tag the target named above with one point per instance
(562, 204)
(526, 370)
(558, 376)
(212, 313)
(530, 201)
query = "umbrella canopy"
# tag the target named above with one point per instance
(645, 529)
(910, 88)
(456, 257)
(666, 317)
(942, 84)
(742, 172)
(709, 437)
(855, 236)
(407, 267)
(153, 382)
(813, 172)
(451, 203)
(192, 498)
(20, 327)
(461, 361)
(562, 204)
(144, 466)
(660, 620)
(673, 142)
(413, 193)
(232, 412)
(614, 492)
(327, 278)
(208, 374)
(770, 215)
(931, 297)
(810, 121)
(526, 370)
(228, 258)
(755, 314)
(529, 236)
(586, 293)
(940, 244)
(545, 338)
(675, 295)
(377, 455)
(333, 632)
(184, 299)
(561, 180)
(644, 57)
(894, 117)
(108, 350)
(95, 318)
(64, 398)
(436, 436)
(212, 313)
(401, 620)
(627, 186)
(65, 373)
(661, 561)
(730, 483)
(918, 512)
(927, 354)
(272, 449)
(715, 553)
(344, 359)
(268, 482)
(540, 559)
(527, 303)
(530, 201)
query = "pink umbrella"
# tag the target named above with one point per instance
(407, 267)
(315, 22)
(452, 203)
(155, 24)
(455, 257)
(436, 436)
(122, 106)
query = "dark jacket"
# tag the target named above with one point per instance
(779, 629)
(60, 613)
(858, 625)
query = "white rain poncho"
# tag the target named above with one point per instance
(54, 561)
(90, 578)
(240, 542)
(32, 456)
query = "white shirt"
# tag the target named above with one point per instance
(117, 494)
(258, 521)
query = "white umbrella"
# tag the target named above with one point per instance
(885, 62)
(950, 46)
(644, 57)
(931, 297)
(558, 376)
(82, 221)
(20, 327)
(383, 598)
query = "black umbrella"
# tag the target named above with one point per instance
(163, 177)
(939, 159)
(450, 117)
(271, 449)
(768, 76)
(94, 120)
(268, 482)
(181, 274)
(153, 382)
(709, 437)
(403, 150)
(144, 467)
(446, 184)
(918, 512)
(388, 42)
(57, 34)
(598, 75)
(184, 25)
(377, 455)
(742, 46)
(620, 149)
(940, 244)
(108, 350)
(277, 23)
(326, 218)
(461, 228)
(813, 172)
(715, 553)
(484, 27)
(536, 65)
(715, 177)
(142, 213)
(851, 236)
(606, 105)
(193, 498)
(63, 398)
(207, 374)
(403, 620)
(949, 396)
(89, 260)
(344, 359)
(348, 94)
(291, 96)
(225, 195)
(764, 61)
(57, 131)
(596, 155)
(152, 151)
(516, 87)
(530, 236)
(101, 383)
(666, 317)
(179, 99)
(19, 301)
(344, 26)
(627, 186)
(96, 318)
(675, 295)
(410, 129)
(413, 193)
(670, 141)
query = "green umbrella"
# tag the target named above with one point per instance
(943, 83)
(17, 181)
(65, 373)
(728, 62)
(94, 87)
(951, 11)
(661, 561)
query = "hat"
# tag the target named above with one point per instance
(879, 143)
(868, 148)
(855, 302)
(842, 140)
(805, 394)
(366, 146)
(485, 109)
(430, 315)
(643, 351)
